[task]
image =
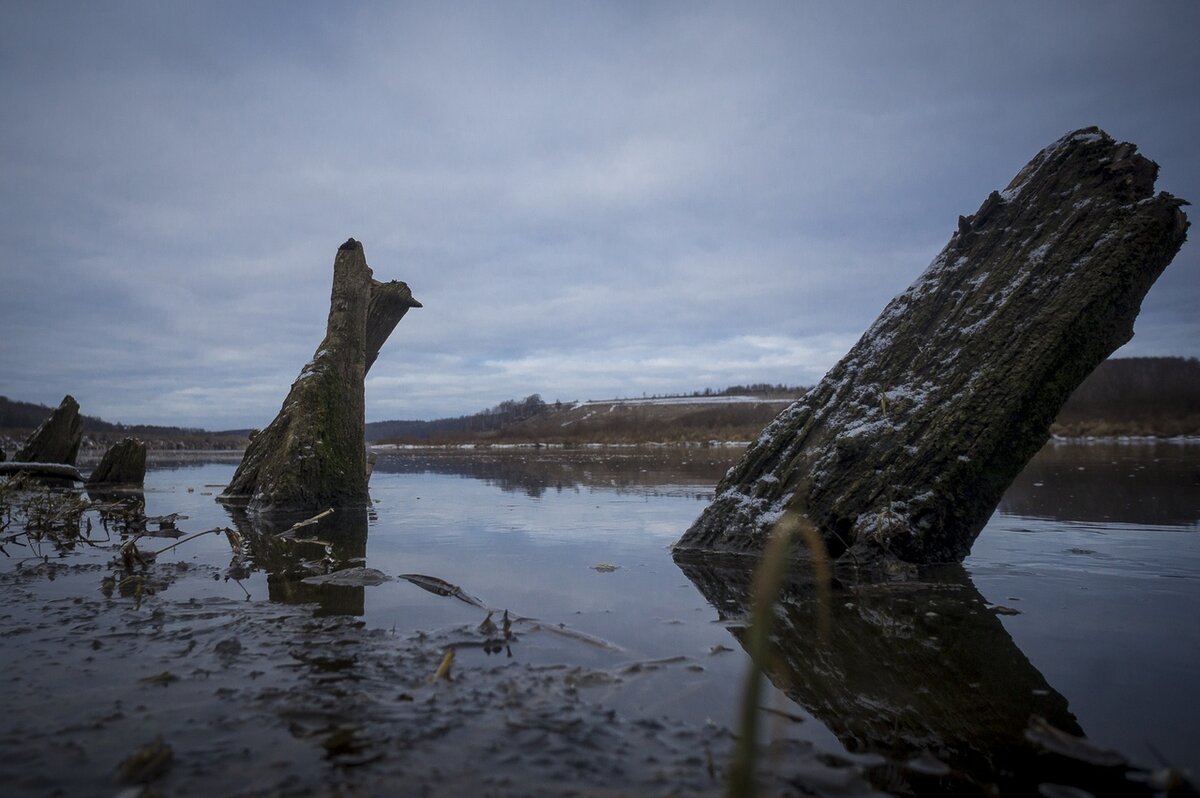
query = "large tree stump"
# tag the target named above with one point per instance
(905, 447)
(57, 439)
(313, 455)
(123, 464)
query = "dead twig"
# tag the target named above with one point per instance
(309, 521)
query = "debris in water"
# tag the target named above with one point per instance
(228, 648)
(165, 522)
(350, 577)
(235, 540)
(562, 630)
(442, 588)
(927, 764)
(132, 557)
(443, 671)
(605, 567)
(344, 746)
(146, 763)
(1057, 741)
(309, 521)
(164, 678)
(792, 716)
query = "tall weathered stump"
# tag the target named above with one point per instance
(57, 439)
(905, 447)
(313, 454)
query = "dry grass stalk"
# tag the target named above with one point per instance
(766, 589)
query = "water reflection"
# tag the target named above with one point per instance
(111, 496)
(1142, 483)
(910, 671)
(691, 471)
(922, 673)
(288, 558)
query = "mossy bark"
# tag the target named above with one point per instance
(313, 454)
(905, 447)
(57, 439)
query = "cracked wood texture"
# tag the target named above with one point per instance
(313, 455)
(901, 453)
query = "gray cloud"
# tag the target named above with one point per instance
(591, 200)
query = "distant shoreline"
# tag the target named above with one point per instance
(388, 448)
(159, 449)
(1134, 399)
(182, 449)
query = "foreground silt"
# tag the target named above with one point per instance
(905, 447)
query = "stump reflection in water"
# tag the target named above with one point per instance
(910, 670)
(338, 541)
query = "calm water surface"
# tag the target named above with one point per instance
(1095, 548)
(1098, 546)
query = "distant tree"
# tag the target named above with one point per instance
(1137, 389)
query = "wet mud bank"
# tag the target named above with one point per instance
(155, 680)
(261, 658)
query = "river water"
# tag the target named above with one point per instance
(1078, 605)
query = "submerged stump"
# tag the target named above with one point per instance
(313, 455)
(57, 439)
(124, 464)
(905, 447)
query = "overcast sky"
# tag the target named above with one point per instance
(591, 199)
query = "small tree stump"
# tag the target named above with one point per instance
(123, 464)
(57, 439)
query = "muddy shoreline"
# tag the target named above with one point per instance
(207, 671)
(257, 698)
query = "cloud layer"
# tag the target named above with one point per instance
(590, 200)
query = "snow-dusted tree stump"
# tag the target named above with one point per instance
(57, 439)
(905, 447)
(313, 455)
